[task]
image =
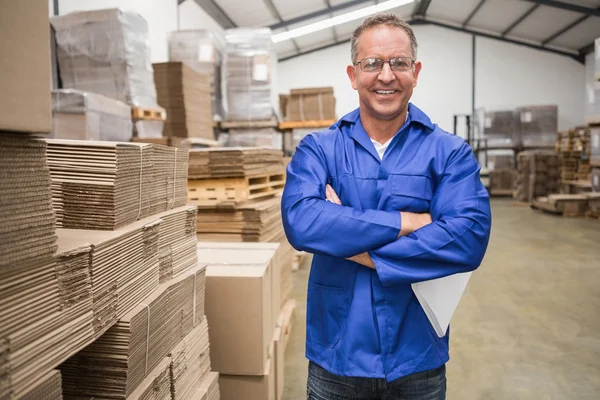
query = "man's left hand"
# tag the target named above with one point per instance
(364, 258)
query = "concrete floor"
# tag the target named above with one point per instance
(528, 326)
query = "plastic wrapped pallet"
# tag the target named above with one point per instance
(537, 125)
(499, 129)
(89, 116)
(202, 50)
(248, 74)
(537, 174)
(595, 145)
(592, 89)
(267, 138)
(106, 52)
(292, 139)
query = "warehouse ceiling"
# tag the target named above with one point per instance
(565, 27)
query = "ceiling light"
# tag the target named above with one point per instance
(338, 20)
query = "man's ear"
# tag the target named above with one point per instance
(351, 71)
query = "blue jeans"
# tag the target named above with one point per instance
(428, 385)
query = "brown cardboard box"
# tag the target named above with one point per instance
(311, 104)
(238, 307)
(248, 254)
(236, 387)
(25, 73)
(278, 357)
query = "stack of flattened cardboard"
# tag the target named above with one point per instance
(116, 290)
(209, 388)
(268, 138)
(177, 242)
(202, 50)
(120, 360)
(47, 388)
(107, 185)
(186, 95)
(157, 385)
(89, 116)
(311, 104)
(27, 232)
(255, 221)
(233, 162)
(46, 317)
(537, 125)
(538, 174)
(190, 362)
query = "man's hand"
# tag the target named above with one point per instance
(331, 195)
(413, 221)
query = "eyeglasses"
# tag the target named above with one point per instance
(400, 64)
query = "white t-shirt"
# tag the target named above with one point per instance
(381, 148)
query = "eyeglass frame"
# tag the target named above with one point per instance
(389, 62)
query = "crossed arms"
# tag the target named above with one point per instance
(402, 247)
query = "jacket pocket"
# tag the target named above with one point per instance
(326, 314)
(412, 193)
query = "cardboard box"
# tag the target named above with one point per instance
(248, 254)
(236, 387)
(25, 73)
(279, 359)
(238, 307)
(311, 104)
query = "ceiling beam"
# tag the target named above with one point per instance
(567, 6)
(216, 13)
(477, 7)
(325, 47)
(519, 20)
(421, 8)
(275, 13)
(573, 55)
(317, 14)
(589, 48)
(564, 30)
(335, 35)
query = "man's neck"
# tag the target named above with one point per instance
(381, 130)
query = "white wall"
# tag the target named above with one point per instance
(192, 16)
(507, 76)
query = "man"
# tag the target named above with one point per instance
(383, 199)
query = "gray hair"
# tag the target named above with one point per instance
(387, 20)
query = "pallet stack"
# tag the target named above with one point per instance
(502, 181)
(107, 52)
(537, 174)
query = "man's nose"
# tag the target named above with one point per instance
(386, 75)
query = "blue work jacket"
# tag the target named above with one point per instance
(363, 322)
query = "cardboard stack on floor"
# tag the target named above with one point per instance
(241, 239)
(45, 306)
(202, 50)
(243, 288)
(538, 174)
(107, 52)
(186, 95)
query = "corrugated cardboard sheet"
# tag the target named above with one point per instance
(311, 104)
(47, 388)
(186, 95)
(233, 162)
(107, 185)
(119, 361)
(27, 233)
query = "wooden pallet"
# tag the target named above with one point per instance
(269, 123)
(567, 205)
(287, 125)
(153, 114)
(228, 192)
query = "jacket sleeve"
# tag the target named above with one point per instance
(457, 238)
(317, 226)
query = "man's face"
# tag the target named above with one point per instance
(384, 95)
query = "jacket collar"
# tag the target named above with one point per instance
(416, 115)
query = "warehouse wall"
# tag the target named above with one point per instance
(192, 16)
(504, 71)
